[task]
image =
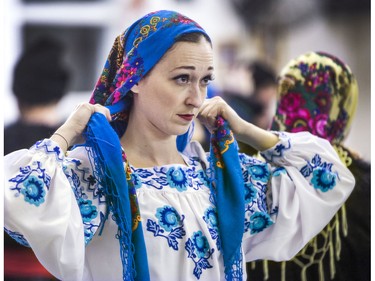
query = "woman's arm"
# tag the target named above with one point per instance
(290, 197)
(244, 131)
(303, 187)
(49, 205)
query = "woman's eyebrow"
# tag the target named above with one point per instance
(190, 68)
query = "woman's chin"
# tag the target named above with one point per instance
(182, 130)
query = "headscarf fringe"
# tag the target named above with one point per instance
(106, 179)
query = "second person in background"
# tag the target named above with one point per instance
(318, 93)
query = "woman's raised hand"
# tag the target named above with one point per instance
(70, 133)
(244, 131)
(216, 106)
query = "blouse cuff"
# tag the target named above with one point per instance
(49, 147)
(276, 153)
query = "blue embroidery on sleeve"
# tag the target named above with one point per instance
(260, 172)
(30, 182)
(279, 149)
(88, 211)
(322, 176)
(82, 183)
(49, 148)
(279, 171)
(250, 192)
(256, 177)
(18, 237)
(259, 221)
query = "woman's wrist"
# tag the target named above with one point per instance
(256, 137)
(63, 137)
(57, 137)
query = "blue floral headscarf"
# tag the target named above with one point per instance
(133, 55)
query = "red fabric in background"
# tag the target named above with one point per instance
(23, 263)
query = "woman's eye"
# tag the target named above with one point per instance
(182, 79)
(207, 80)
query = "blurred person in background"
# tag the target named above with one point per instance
(237, 89)
(251, 91)
(318, 93)
(40, 81)
(264, 93)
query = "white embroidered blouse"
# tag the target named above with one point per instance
(54, 204)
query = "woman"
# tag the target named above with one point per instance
(177, 212)
(318, 93)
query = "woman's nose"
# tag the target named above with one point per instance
(196, 96)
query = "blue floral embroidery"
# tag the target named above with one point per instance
(143, 173)
(18, 237)
(250, 192)
(260, 172)
(256, 177)
(33, 191)
(136, 180)
(168, 217)
(278, 151)
(203, 178)
(90, 228)
(91, 180)
(81, 181)
(83, 184)
(31, 183)
(323, 179)
(274, 211)
(259, 221)
(201, 244)
(210, 217)
(49, 147)
(88, 234)
(199, 252)
(322, 176)
(278, 171)
(170, 221)
(88, 211)
(177, 178)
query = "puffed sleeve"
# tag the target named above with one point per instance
(292, 196)
(51, 204)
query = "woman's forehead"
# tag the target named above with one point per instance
(189, 55)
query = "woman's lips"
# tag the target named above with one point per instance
(187, 117)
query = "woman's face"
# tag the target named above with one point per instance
(169, 97)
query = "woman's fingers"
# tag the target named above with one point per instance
(214, 107)
(77, 121)
(103, 110)
(208, 113)
(81, 115)
(86, 109)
